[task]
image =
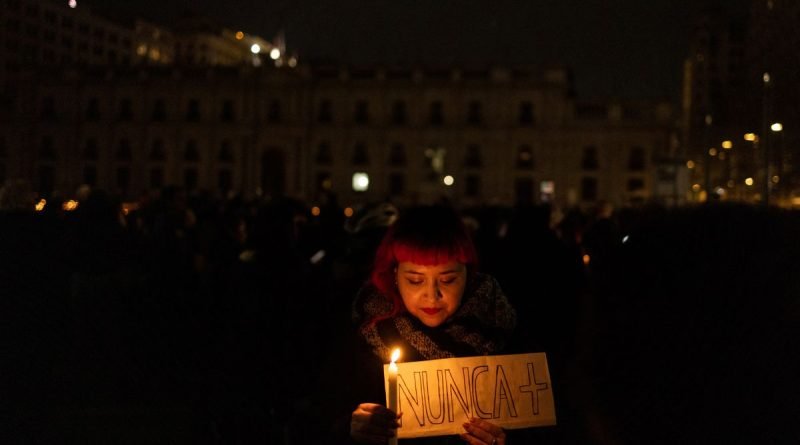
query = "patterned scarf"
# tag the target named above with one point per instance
(480, 326)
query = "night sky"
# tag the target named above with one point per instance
(625, 48)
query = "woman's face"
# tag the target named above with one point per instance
(431, 293)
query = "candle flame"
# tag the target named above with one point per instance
(395, 354)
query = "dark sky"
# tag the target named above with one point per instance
(626, 48)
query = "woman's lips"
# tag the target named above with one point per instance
(431, 310)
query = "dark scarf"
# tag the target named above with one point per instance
(480, 326)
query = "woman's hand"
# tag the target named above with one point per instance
(373, 423)
(481, 432)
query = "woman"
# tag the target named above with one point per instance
(426, 297)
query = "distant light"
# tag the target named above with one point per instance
(327, 184)
(750, 137)
(360, 182)
(727, 145)
(348, 212)
(141, 49)
(696, 188)
(776, 127)
(317, 257)
(275, 54)
(586, 259)
(239, 35)
(293, 62)
(776, 179)
(40, 205)
(625, 239)
(255, 49)
(73, 4)
(712, 151)
(315, 211)
(719, 191)
(709, 119)
(525, 156)
(448, 180)
(690, 164)
(748, 181)
(766, 77)
(69, 205)
(722, 156)
(731, 183)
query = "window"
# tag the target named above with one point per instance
(193, 111)
(397, 184)
(525, 157)
(526, 113)
(361, 115)
(123, 150)
(635, 184)
(399, 113)
(93, 110)
(473, 158)
(90, 150)
(90, 175)
(157, 151)
(474, 113)
(274, 111)
(360, 155)
(125, 110)
(436, 114)
(156, 178)
(636, 161)
(589, 160)
(227, 114)
(588, 189)
(159, 110)
(325, 114)
(48, 108)
(397, 155)
(47, 149)
(225, 152)
(190, 178)
(123, 178)
(191, 154)
(324, 155)
(472, 186)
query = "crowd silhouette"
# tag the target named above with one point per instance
(189, 318)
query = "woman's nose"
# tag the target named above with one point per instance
(434, 291)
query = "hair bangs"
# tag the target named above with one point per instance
(430, 255)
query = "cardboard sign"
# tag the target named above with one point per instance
(437, 396)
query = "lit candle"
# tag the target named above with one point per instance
(393, 388)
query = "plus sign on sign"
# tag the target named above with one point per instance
(436, 397)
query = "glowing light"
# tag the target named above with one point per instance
(239, 35)
(689, 164)
(275, 54)
(625, 239)
(69, 205)
(317, 257)
(727, 145)
(750, 137)
(696, 188)
(293, 62)
(719, 191)
(776, 179)
(395, 354)
(731, 183)
(776, 127)
(766, 77)
(586, 259)
(722, 156)
(155, 54)
(348, 212)
(40, 205)
(748, 181)
(73, 4)
(255, 49)
(315, 211)
(360, 182)
(141, 49)
(712, 151)
(448, 180)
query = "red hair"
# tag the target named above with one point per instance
(427, 236)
